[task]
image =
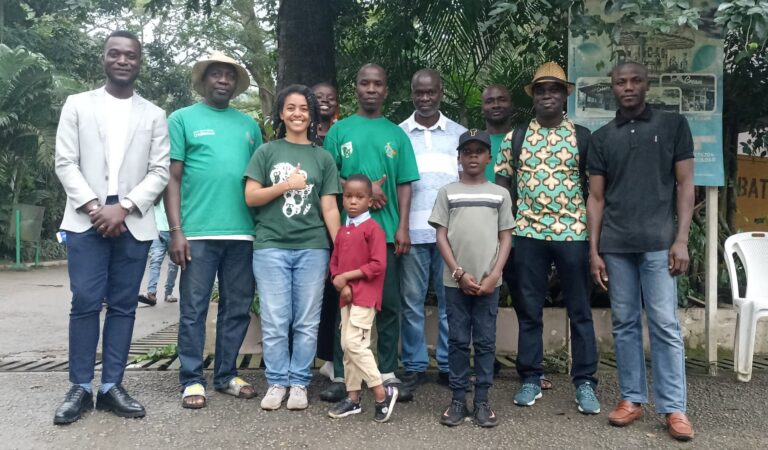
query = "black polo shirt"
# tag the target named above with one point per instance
(637, 158)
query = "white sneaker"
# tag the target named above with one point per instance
(274, 397)
(298, 398)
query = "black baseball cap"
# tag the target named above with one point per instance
(473, 134)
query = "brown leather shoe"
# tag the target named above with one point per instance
(625, 413)
(679, 426)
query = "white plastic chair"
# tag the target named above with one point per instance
(752, 249)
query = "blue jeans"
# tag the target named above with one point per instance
(290, 284)
(533, 260)
(156, 256)
(629, 274)
(471, 319)
(102, 270)
(229, 261)
(416, 267)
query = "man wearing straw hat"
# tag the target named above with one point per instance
(544, 163)
(211, 226)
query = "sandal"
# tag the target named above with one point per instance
(239, 388)
(546, 384)
(194, 397)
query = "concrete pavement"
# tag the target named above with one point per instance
(34, 312)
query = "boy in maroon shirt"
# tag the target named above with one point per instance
(358, 264)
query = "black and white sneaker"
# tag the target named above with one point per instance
(384, 409)
(345, 408)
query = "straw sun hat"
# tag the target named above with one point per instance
(198, 70)
(546, 73)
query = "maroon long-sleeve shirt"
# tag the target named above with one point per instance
(362, 247)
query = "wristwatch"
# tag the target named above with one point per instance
(127, 205)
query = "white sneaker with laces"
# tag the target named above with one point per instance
(297, 398)
(274, 397)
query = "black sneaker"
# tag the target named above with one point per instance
(336, 392)
(484, 416)
(442, 378)
(384, 409)
(455, 413)
(345, 408)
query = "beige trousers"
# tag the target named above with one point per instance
(359, 364)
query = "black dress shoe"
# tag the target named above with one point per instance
(119, 402)
(77, 401)
(334, 393)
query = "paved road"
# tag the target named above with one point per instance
(35, 311)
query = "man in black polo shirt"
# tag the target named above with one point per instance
(641, 178)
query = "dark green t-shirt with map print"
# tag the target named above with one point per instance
(293, 220)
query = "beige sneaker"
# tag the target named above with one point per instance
(274, 397)
(298, 398)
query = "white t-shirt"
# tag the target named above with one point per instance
(118, 119)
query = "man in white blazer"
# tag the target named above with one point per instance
(112, 157)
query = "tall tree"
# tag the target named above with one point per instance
(305, 42)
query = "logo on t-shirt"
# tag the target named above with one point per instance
(199, 133)
(390, 151)
(294, 199)
(346, 149)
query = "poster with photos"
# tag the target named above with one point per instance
(685, 72)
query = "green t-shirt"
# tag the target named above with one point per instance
(215, 146)
(496, 139)
(375, 147)
(294, 220)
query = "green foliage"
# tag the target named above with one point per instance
(404, 36)
(158, 353)
(26, 141)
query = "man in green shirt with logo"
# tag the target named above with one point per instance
(372, 145)
(211, 226)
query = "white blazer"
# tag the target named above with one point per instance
(81, 160)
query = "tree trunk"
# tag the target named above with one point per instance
(305, 42)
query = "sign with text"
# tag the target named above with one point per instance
(752, 194)
(685, 72)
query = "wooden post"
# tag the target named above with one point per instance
(710, 276)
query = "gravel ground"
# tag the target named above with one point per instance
(725, 414)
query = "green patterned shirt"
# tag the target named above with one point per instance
(550, 204)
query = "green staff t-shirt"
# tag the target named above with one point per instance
(496, 140)
(375, 147)
(293, 220)
(215, 146)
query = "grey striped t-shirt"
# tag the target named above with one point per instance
(474, 214)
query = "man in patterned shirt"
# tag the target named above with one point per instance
(544, 163)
